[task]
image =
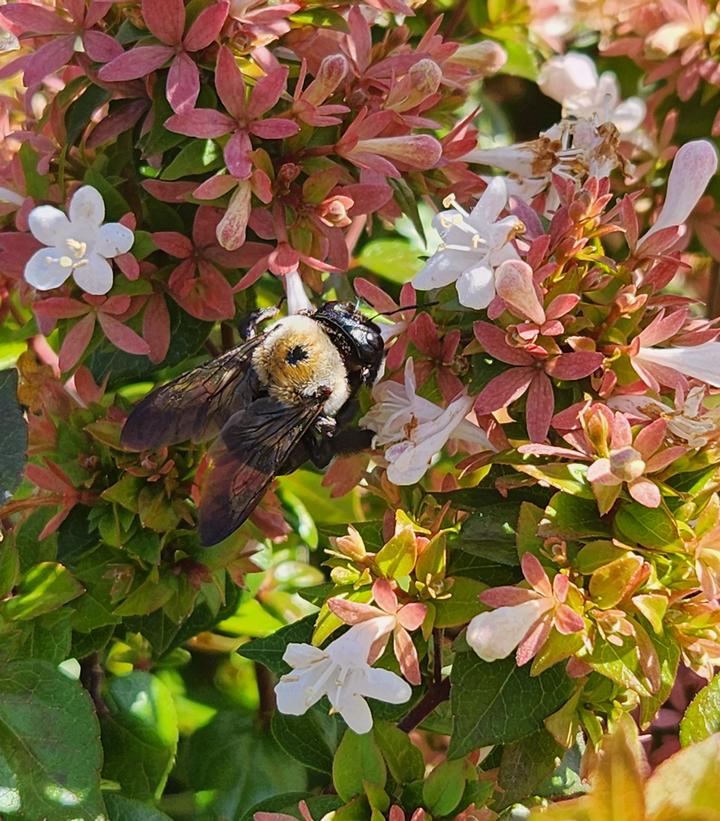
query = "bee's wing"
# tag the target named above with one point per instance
(194, 405)
(243, 460)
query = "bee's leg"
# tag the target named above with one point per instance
(249, 325)
(340, 443)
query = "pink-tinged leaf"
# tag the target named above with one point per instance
(215, 187)
(384, 596)
(621, 435)
(503, 390)
(514, 284)
(87, 389)
(550, 450)
(173, 243)
(645, 492)
(535, 573)
(664, 458)
(165, 19)
(599, 472)
(493, 341)
(75, 343)
(101, 47)
(507, 596)
(352, 612)
(568, 621)
(138, 62)
(123, 337)
(48, 59)
(274, 128)
(576, 365)
(650, 438)
(412, 615)
(183, 83)
(169, 191)
(36, 19)
(230, 83)
(267, 92)
(56, 520)
(662, 327)
(114, 305)
(206, 27)
(16, 249)
(47, 479)
(205, 123)
(123, 116)
(60, 307)
(560, 586)
(128, 265)
(237, 155)
(407, 657)
(539, 408)
(533, 641)
(373, 295)
(561, 305)
(94, 12)
(367, 198)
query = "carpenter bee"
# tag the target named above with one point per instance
(284, 396)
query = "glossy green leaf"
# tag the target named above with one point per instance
(572, 517)
(121, 808)
(198, 157)
(309, 739)
(44, 588)
(358, 760)
(462, 604)
(269, 651)
(392, 259)
(702, 717)
(403, 758)
(397, 558)
(50, 753)
(498, 702)
(139, 734)
(13, 434)
(444, 787)
(646, 526)
(524, 764)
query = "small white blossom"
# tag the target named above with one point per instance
(79, 245)
(573, 81)
(495, 634)
(697, 361)
(297, 298)
(341, 672)
(416, 428)
(474, 244)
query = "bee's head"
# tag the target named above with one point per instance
(357, 338)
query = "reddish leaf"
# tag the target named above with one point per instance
(76, 342)
(123, 337)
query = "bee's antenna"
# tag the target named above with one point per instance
(404, 308)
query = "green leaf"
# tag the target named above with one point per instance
(490, 531)
(50, 753)
(498, 702)
(403, 758)
(521, 60)
(309, 739)
(568, 478)
(78, 115)
(572, 517)
(619, 663)
(524, 764)
(36, 185)
(358, 759)
(115, 204)
(444, 787)
(198, 157)
(44, 588)
(269, 651)
(646, 526)
(121, 808)
(139, 735)
(462, 605)
(397, 558)
(13, 435)
(392, 259)
(9, 566)
(320, 18)
(406, 198)
(48, 637)
(702, 717)
(668, 653)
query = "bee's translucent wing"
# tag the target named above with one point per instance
(251, 449)
(194, 405)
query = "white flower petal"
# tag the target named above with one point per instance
(87, 209)
(693, 167)
(44, 271)
(297, 299)
(113, 239)
(492, 201)
(628, 116)
(495, 634)
(698, 361)
(476, 287)
(294, 692)
(355, 712)
(563, 77)
(385, 685)
(517, 159)
(48, 225)
(443, 267)
(95, 276)
(302, 655)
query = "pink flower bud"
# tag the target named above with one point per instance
(485, 57)
(231, 228)
(333, 211)
(419, 151)
(626, 464)
(331, 73)
(514, 285)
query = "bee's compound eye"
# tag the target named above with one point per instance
(296, 354)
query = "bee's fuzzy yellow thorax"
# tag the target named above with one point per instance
(297, 359)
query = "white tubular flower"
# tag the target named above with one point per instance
(697, 361)
(417, 429)
(473, 245)
(79, 246)
(573, 81)
(341, 673)
(495, 634)
(297, 299)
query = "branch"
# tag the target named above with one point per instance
(92, 676)
(436, 694)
